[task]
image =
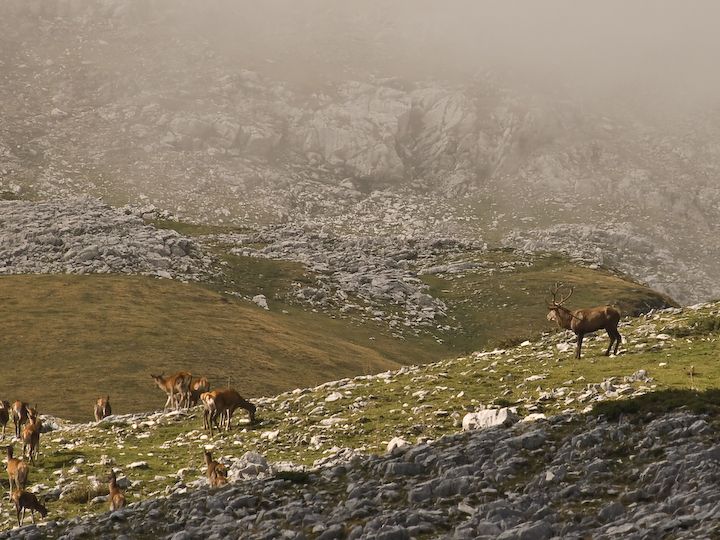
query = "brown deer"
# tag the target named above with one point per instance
(584, 321)
(19, 415)
(175, 384)
(115, 496)
(17, 470)
(102, 408)
(4, 415)
(31, 435)
(198, 386)
(222, 403)
(216, 472)
(25, 500)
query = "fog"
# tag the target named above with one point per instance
(660, 48)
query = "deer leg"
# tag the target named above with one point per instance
(612, 340)
(578, 349)
(618, 340)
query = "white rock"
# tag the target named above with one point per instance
(334, 397)
(488, 418)
(270, 435)
(261, 301)
(397, 442)
(534, 417)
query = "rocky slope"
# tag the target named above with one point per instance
(382, 456)
(80, 236)
(134, 101)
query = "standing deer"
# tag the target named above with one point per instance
(102, 408)
(115, 496)
(31, 435)
(17, 470)
(172, 385)
(584, 321)
(4, 415)
(198, 386)
(19, 415)
(222, 403)
(25, 500)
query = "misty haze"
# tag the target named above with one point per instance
(398, 220)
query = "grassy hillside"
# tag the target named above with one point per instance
(81, 336)
(508, 303)
(424, 401)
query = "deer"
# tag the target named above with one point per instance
(174, 384)
(198, 386)
(115, 496)
(19, 415)
(216, 472)
(31, 435)
(17, 470)
(25, 500)
(102, 408)
(584, 321)
(4, 415)
(222, 403)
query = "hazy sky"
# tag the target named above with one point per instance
(611, 46)
(605, 43)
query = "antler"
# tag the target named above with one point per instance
(554, 291)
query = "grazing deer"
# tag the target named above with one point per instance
(102, 408)
(4, 415)
(198, 386)
(175, 384)
(584, 321)
(19, 415)
(115, 496)
(216, 472)
(25, 500)
(31, 435)
(222, 403)
(17, 470)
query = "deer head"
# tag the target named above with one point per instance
(554, 305)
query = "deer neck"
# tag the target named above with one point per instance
(565, 317)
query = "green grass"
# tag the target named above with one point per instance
(507, 307)
(78, 337)
(74, 338)
(195, 229)
(657, 403)
(410, 404)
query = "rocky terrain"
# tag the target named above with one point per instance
(383, 456)
(381, 273)
(320, 165)
(138, 101)
(84, 235)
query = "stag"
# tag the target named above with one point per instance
(584, 321)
